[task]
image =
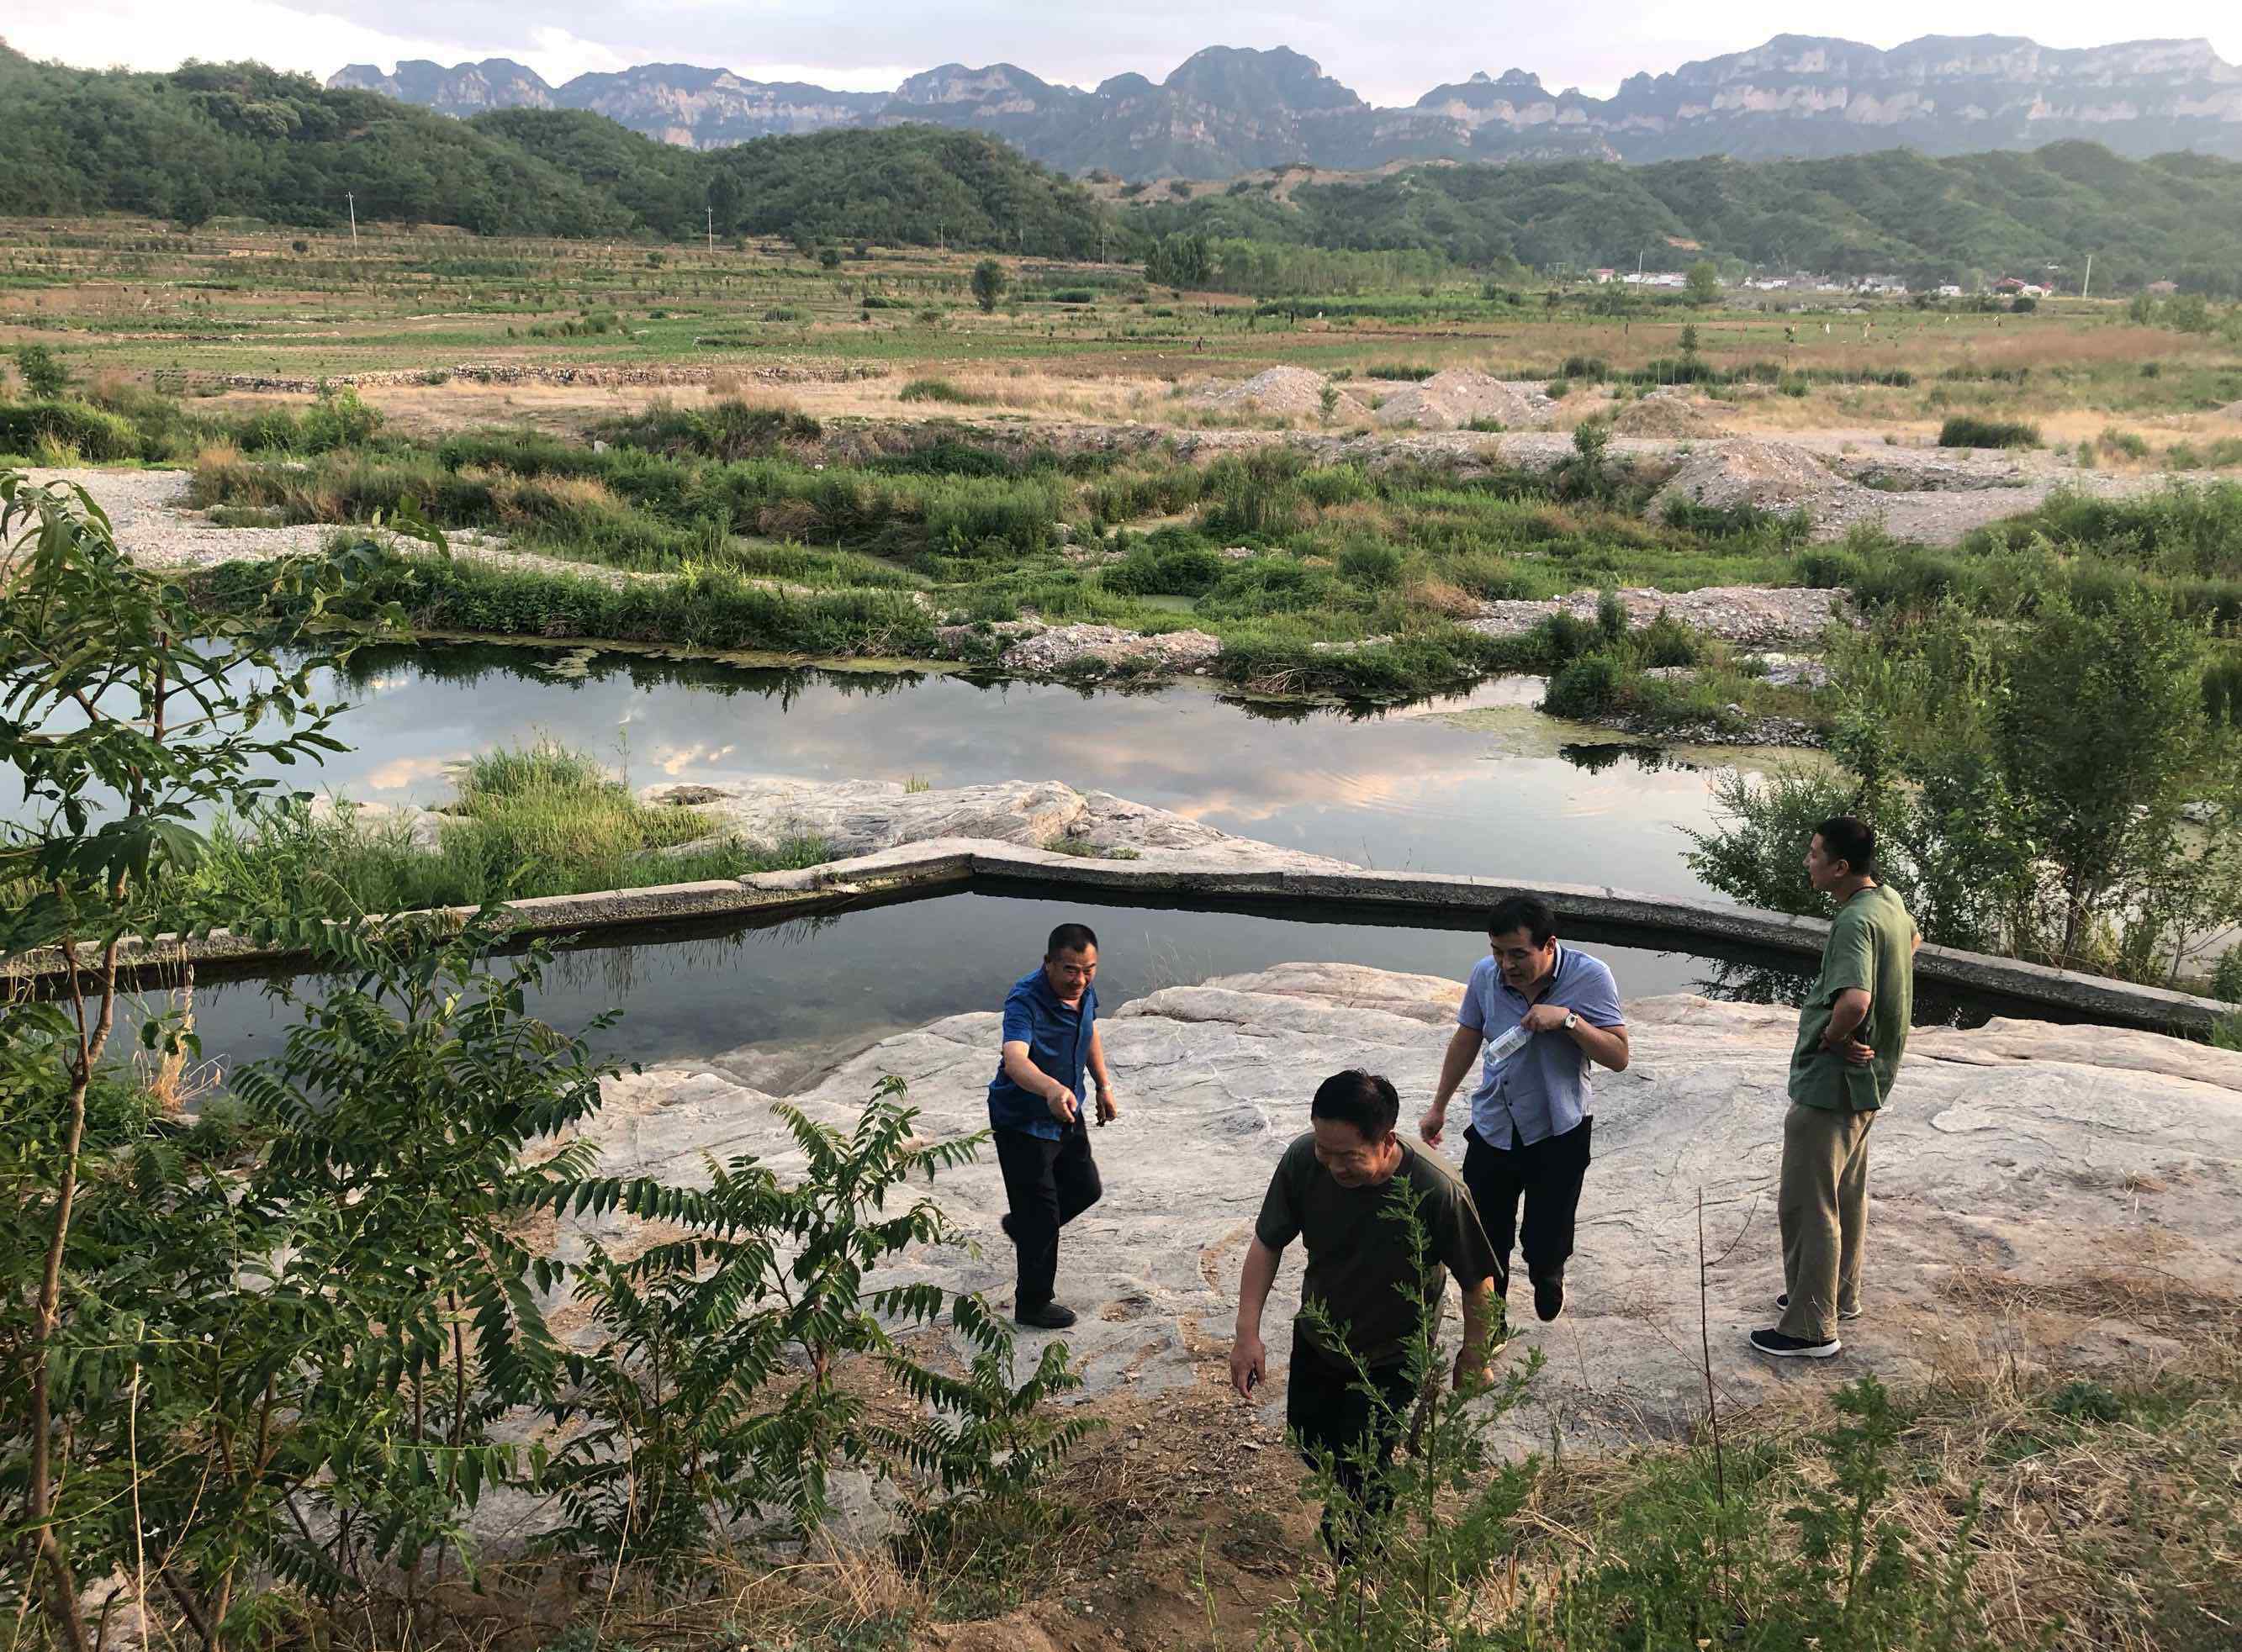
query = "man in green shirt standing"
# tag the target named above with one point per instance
(1341, 1187)
(1852, 1030)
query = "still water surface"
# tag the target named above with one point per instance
(1476, 784)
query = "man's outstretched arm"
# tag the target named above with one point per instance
(1249, 1360)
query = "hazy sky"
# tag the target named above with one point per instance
(1388, 55)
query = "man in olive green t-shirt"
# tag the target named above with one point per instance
(1852, 1030)
(1342, 1188)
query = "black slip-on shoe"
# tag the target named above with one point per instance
(1051, 1316)
(1005, 1223)
(1777, 1346)
(1783, 1302)
(1549, 1297)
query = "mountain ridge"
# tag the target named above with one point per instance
(1227, 110)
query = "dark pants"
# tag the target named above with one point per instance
(1324, 1406)
(1050, 1183)
(1547, 1175)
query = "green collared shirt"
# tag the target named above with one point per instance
(1871, 945)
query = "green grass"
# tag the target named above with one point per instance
(539, 820)
(1965, 430)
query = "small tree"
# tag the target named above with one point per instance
(43, 372)
(1702, 285)
(1326, 404)
(989, 282)
(127, 716)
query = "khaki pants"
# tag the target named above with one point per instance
(1823, 1204)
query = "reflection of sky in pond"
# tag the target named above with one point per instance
(860, 974)
(1490, 791)
(1399, 791)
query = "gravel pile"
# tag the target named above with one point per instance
(1665, 413)
(1451, 400)
(1754, 615)
(1063, 648)
(1772, 476)
(1290, 392)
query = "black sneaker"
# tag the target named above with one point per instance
(1051, 1316)
(1783, 1302)
(1777, 1346)
(1005, 1223)
(1549, 1297)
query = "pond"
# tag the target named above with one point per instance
(1476, 784)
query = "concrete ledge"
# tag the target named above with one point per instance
(946, 864)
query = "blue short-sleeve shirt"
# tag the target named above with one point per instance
(1543, 1089)
(1058, 1037)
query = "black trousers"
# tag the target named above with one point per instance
(1547, 1176)
(1049, 1183)
(1324, 1406)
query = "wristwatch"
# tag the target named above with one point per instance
(1572, 1020)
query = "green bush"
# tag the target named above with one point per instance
(43, 372)
(935, 390)
(98, 436)
(1966, 429)
(1372, 563)
(1584, 690)
(1166, 564)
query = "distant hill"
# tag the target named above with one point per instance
(241, 139)
(1928, 219)
(1228, 109)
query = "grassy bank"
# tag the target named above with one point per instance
(541, 820)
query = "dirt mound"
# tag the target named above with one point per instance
(1664, 413)
(2232, 410)
(1291, 391)
(1773, 476)
(1451, 399)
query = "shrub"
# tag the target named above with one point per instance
(93, 434)
(43, 372)
(340, 419)
(1593, 367)
(1257, 493)
(1585, 689)
(1168, 564)
(935, 390)
(1372, 563)
(1966, 429)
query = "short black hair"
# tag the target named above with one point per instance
(1361, 1098)
(1529, 913)
(1071, 938)
(1850, 839)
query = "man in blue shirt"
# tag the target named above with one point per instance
(1544, 1014)
(1034, 1109)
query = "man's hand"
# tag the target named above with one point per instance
(1108, 1108)
(1435, 1121)
(1544, 1017)
(1249, 1363)
(1063, 1105)
(1471, 1377)
(1856, 1052)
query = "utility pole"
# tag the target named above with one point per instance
(711, 212)
(351, 197)
(2086, 287)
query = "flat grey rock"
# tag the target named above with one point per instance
(2038, 1191)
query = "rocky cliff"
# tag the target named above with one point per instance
(1229, 110)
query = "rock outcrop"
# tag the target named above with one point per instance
(2049, 1191)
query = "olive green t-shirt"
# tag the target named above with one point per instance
(1871, 945)
(1361, 1266)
